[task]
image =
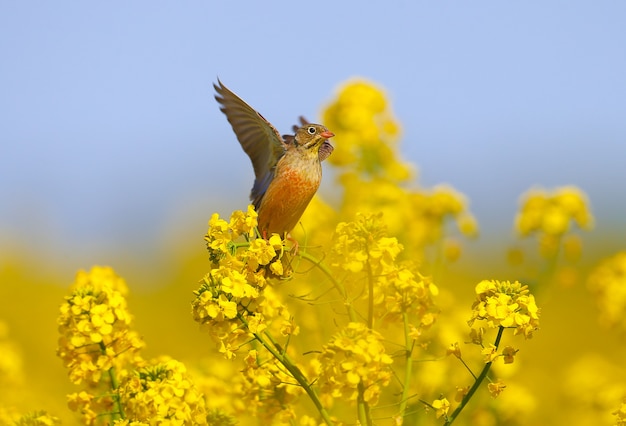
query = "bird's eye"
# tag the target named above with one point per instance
(311, 130)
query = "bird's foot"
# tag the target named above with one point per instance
(295, 247)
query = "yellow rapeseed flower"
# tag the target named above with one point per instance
(552, 213)
(607, 283)
(506, 304)
(162, 393)
(354, 359)
(366, 131)
(95, 326)
(37, 418)
(269, 391)
(496, 388)
(230, 303)
(441, 406)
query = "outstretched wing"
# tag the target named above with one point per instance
(258, 138)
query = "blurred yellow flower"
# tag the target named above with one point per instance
(268, 390)
(441, 407)
(37, 418)
(11, 370)
(496, 388)
(552, 213)
(607, 283)
(366, 131)
(454, 349)
(354, 364)
(620, 414)
(508, 354)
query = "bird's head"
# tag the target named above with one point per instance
(312, 136)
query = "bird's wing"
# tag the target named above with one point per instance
(258, 138)
(325, 150)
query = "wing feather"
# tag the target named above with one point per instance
(258, 138)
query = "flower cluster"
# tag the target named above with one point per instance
(608, 284)
(161, 392)
(363, 243)
(552, 213)
(420, 216)
(269, 391)
(506, 304)
(36, 418)
(353, 365)
(11, 371)
(367, 130)
(101, 351)
(367, 135)
(95, 326)
(592, 388)
(365, 254)
(232, 293)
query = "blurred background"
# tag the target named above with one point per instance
(113, 150)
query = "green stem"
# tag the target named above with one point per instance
(119, 413)
(284, 359)
(340, 288)
(370, 301)
(476, 384)
(119, 410)
(408, 368)
(365, 417)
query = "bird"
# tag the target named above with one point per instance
(287, 168)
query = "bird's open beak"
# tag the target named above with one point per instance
(327, 134)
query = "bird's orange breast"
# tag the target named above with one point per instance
(287, 197)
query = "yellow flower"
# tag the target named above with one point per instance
(244, 223)
(496, 388)
(552, 213)
(508, 354)
(355, 360)
(11, 370)
(269, 391)
(262, 251)
(607, 283)
(162, 392)
(454, 349)
(37, 418)
(490, 353)
(441, 407)
(398, 290)
(218, 238)
(460, 393)
(95, 326)
(362, 242)
(366, 130)
(505, 304)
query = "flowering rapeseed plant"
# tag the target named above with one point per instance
(382, 302)
(101, 351)
(552, 217)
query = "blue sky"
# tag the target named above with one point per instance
(109, 130)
